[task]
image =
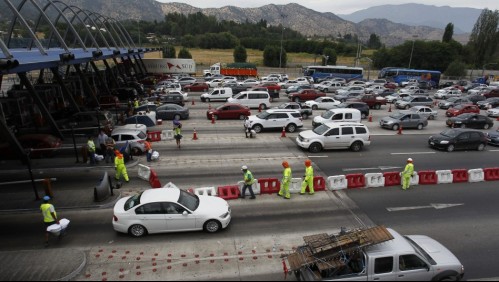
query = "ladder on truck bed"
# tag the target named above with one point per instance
(325, 252)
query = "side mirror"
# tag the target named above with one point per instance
(185, 213)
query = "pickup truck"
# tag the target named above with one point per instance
(373, 101)
(305, 110)
(218, 94)
(381, 255)
(306, 95)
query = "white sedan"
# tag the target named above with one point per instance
(170, 210)
(323, 103)
(493, 112)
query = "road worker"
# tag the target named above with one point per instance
(91, 150)
(407, 174)
(119, 163)
(49, 216)
(249, 180)
(286, 181)
(308, 180)
(136, 103)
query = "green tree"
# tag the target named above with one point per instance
(272, 57)
(184, 54)
(449, 32)
(374, 42)
(240, 54)
(456, 68)
(169, 51)
(485, 37)
(331, 55)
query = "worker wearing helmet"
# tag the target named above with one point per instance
(308, 180)
(249, 180)
(119, 163)
(286, 181)
(407, 174)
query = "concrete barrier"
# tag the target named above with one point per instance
(338, 182)
(374, 180)
(476, 175)
(356, 181)
(444, 177)
(255, 186)
(167, 135)
(144, 172)
(206, 191)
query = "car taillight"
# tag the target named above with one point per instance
(115, 218)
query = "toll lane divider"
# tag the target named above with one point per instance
(491, 174)
(460, 176)
(375, 180)
(445, 176)
(338, 182)
(255, 186)
(206, 191)
(476, 175)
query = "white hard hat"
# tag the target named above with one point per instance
(409, 160)
(244, 167)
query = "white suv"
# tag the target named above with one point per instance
(277, 119)
(335, 136)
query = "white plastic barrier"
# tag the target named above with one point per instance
(256, 188)
(144, 172)
(445, 177)
(166, 135)
(338, 182)
(206, 191)
(415, 179)
(295, 187)
(374, 180)
(171, 185)
(476, 175)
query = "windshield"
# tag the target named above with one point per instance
(188, 200)
(458, 107)
(397, 116)
(321, 130)
(263, 115)
(327, 115)
(450, 133)
(421, 251)
(407, 99)
(454, 99)
(283, 106)
(133, 202)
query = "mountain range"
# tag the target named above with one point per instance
(392, 30)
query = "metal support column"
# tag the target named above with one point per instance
(64, 89)
(127, 70)
(143, 65)
(38, 101)
(100, 79)
(139, 66)
(12, 140)
(120, 71)
(86, 86)
(134, 66)
(114, 78)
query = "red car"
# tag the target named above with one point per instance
(46, 144)
(390, 85)
(229, 111)
(306, 95)
(272, 88)
(462, 109)
(492, 94)
(197, 87)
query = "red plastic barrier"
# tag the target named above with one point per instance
(154, 180)
(319, 184)
(392, 179)
(491, 174)
(154, 136)
(229, 192)
(428, 178)
(356, 181)
(460, 175)
(269, 185)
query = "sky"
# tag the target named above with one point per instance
(337, 6)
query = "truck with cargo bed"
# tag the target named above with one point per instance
(240, 70)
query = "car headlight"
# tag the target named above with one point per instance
(225, 215)
(444, 142)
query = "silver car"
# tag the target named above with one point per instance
(403, 120)
(423, 111)
(452, 102)
(411, 101)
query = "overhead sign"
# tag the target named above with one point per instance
(170, 66)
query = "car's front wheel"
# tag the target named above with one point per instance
(258, 128)
(291, 128)
(486, 126)
(395, 127)
(242, 117)
(451, 148)
(481, 147)
(315, 148)
(137, 230)
(212, 226)
(315, 107)
(357, 146)
(420, 126)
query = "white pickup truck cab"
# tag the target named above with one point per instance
(405, 258)
(217, 94)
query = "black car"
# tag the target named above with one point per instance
(459, 139)
(446, 84)
(470, 121)
(475, 98)
(173, 98)
(362, 107)
(493, 137)
(488, 103)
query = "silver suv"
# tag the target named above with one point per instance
(411, 101)
(335, 136)
(134, 137)
(277, 119)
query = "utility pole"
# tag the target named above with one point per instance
(282, 39)
(412, 50)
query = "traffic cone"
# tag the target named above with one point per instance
(400, 130)
(497, 118)
(209, 107)
(390, 109)
(283, 134)
(260, 108)
(212, 119)
(195, 136)
(193, 102)
(371, 118)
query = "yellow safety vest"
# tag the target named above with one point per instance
(119, 161)
(47, 216)
(248, 178)
(309, 173)
(91, 146)
(287, 175)
(409, 170)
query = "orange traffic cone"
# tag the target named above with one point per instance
(400, 130)
(260, 108)
(371, 118)
(195, 136)
(212, 119)
(283, 134)
(497, 118)
(193, 102)
(390, 109)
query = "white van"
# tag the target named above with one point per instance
(252, 99)
(334, 135)
(338, 115)
(218, 94)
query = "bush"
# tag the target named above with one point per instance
(456, 68)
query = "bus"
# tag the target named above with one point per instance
(399, 75)
(322, 72)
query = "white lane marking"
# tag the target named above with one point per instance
(318, 157)
(414, 153)
(432, 206)
(372, 168)
(493, 150)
